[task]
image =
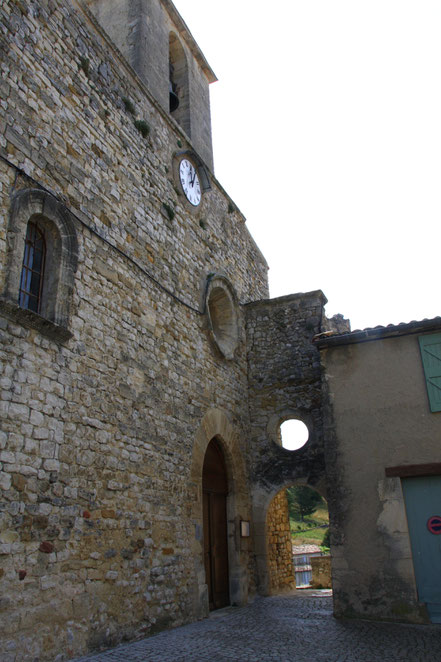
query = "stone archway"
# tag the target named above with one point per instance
(262, 499)
(216, 424)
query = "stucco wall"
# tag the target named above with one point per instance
(378, 417)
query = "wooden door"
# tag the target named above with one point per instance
(423, 507)
(215, 489)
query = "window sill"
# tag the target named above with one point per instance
(31, 320)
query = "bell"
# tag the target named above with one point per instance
(174, 99)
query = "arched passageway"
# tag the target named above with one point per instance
(309, 525)
(296, 535)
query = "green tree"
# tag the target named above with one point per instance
(302, 501)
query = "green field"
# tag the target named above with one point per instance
(307, 532)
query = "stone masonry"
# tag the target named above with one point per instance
(283, 628)
(101, 406)
(280, 561)
(141, 30)
(321, 571)
(284, 383)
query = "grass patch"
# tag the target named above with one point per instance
(129, 105)
(313, 537)
(142, 127)
(169, 211)
(312, 529)
(84, 64)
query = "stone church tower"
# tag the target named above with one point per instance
(141, 392)
(156, 42)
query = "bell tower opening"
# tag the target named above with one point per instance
(178, 85)
(215, 491)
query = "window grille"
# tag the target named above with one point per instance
(31, 281)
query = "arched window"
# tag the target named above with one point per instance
(179, 84)
(32, 273)
(42, 259)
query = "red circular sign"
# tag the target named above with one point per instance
(434, 525)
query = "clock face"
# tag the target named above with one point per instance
(190, 182)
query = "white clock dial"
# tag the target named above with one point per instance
(190, 182)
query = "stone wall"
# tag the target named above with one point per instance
(321, 571)
(280, 561)
(284, 380)
(141, 30)
(100, 527)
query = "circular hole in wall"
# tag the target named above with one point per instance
(294, 434)
(223, 320)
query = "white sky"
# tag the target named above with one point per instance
(327, 135)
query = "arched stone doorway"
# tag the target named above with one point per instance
(215, 491)
(216, 425)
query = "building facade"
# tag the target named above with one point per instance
(123, 336)
(382, 438)
(145, 373)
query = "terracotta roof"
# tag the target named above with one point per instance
(305, 549)
(331, 339)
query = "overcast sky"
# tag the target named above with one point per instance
(327, 135)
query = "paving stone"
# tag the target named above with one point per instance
(288, 628)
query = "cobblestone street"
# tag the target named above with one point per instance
(288, 628)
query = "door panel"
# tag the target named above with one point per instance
(207, 546)
(216, 549)
(220, 550)
(215, 488)
(423, 501)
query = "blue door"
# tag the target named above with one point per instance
(422, 496)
